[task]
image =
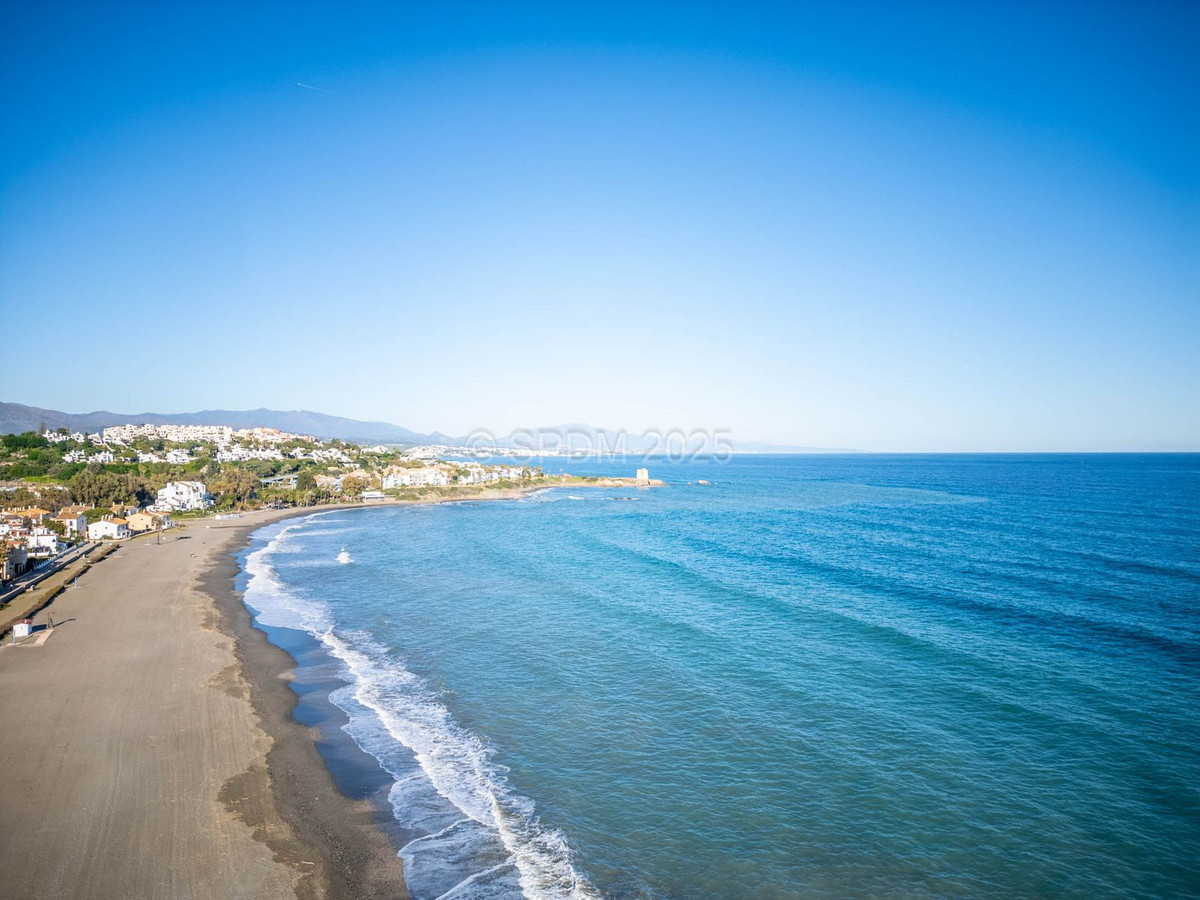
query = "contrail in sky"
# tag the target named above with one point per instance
(311, 88)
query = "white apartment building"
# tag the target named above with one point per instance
(178, 457)
(479, 475)
(180, 434)
(180, 496)
(238, 453)
(426, 477)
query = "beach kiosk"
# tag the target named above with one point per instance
(22, 629)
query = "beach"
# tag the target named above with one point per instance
(148, 744)
(148, 749)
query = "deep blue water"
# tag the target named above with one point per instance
(939, 676)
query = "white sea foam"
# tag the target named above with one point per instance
(480, 840)
(274, 603)
(460, 767)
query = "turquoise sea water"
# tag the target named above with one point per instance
(950, 676)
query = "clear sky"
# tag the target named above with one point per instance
(899, 226)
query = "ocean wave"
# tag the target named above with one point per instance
(460, 766)
(491, 841)
(272, 602)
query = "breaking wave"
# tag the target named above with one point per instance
(475, 838)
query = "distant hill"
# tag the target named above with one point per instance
(16, 417)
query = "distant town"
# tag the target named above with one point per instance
(60, 488)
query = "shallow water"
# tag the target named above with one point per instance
(817, 676)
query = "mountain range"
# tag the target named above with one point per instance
(16, 418)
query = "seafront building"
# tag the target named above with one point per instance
(110, 528)
(427, 476)
(180, 496)
(140, 522)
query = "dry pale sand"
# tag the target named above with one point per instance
(142, 758)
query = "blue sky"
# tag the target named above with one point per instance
(891, 227)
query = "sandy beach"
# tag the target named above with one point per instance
(148, 749)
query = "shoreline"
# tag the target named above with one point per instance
(356, 858)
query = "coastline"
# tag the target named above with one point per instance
(354, 857)
(150, 747)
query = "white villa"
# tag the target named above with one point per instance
(108, 529)
(181, 495)
(42, 542)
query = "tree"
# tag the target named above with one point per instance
(83, 487)
(25, 441)
(234, 485)
(353, 487)
(96, 487)
(305, 481)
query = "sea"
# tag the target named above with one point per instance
(812, 677)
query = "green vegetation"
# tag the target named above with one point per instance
(26, 441)
(53, 474)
